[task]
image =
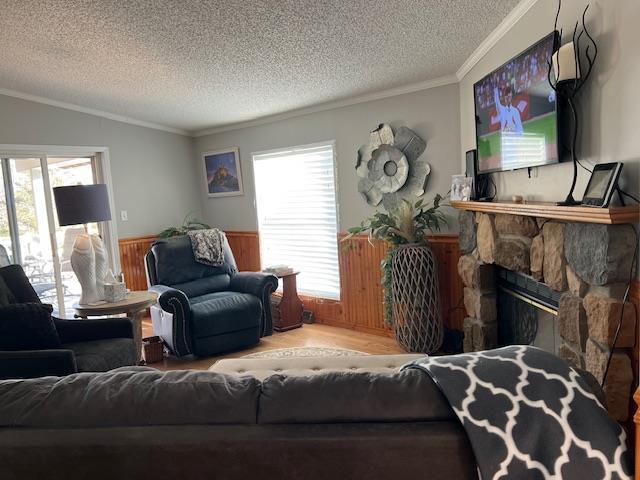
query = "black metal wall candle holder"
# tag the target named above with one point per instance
(568, 89)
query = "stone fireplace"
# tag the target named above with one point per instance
(554, 284)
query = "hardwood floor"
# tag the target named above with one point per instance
(311, 335)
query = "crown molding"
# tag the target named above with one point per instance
(495, 36)
(90, 111)
(391, 92)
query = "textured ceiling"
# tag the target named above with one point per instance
(197, 64)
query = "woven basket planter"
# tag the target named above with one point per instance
(416, 299)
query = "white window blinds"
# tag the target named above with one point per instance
(296, 204)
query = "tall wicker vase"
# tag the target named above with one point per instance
(416, 299)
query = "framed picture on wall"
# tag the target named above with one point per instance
(222, 173)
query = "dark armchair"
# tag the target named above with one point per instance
(35, 344)
(204, 310)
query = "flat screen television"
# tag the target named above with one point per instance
(518, 116)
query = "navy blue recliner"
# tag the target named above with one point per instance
(204, 310)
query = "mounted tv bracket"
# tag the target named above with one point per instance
(568, 84)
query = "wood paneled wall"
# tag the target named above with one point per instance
(360, 275)
(246, 250)
(360, 307)
(132, 252)
(245, 247)
(634, 297)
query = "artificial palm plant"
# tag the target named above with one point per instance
(408, 225)
(188, 224)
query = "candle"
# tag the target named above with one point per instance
(564, 63)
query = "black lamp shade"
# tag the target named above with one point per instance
(78, 204)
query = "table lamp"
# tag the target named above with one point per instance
(79, 205)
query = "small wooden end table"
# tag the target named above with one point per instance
(132, 306)
(290, 305)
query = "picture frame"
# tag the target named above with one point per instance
(461, 187)
(222, 173)
(602, 184)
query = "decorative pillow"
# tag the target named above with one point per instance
(6, 295)
(27, 326)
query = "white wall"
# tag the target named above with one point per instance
(152, 172)
(609, 104)
(433, 114)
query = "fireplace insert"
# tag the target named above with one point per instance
(527, 311)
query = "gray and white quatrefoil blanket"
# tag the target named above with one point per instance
(528, 415)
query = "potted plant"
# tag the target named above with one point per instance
(409, 272)
(188, 224)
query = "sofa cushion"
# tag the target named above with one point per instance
(103, 355)
(6, 295)
(18, 282)
(27, 326)
(175, 263)
(223, 312)
(331, 397)
(262, 368)
(133, 396)
(202, 286)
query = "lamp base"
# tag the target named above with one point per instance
(83, 263)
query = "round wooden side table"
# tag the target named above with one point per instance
(132, 306)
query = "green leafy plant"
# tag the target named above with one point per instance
(409, 224)
(188, 224)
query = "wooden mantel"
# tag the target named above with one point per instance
(610, 216)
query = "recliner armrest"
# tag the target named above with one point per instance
(254, 283)
(167, 296)
(262, 285)
(81, 330)
(37, 363)
(176, 302)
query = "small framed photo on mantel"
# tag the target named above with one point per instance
(222, 173)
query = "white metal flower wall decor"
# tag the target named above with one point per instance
(390, 168)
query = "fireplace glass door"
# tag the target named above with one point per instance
(526, 322)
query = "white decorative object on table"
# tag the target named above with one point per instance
(115, 292)
(101, 265)
(83, 262)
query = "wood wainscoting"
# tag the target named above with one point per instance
(360, 307)
(634, 297)
(246, 250)
(132, 252)
(245, 247)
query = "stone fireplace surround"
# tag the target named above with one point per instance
(588, 263)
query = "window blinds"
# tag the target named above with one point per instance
(297, 219)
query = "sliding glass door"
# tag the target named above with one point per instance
(29, 231)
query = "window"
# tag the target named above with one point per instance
(297, 219)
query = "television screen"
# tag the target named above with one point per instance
(516, 112)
